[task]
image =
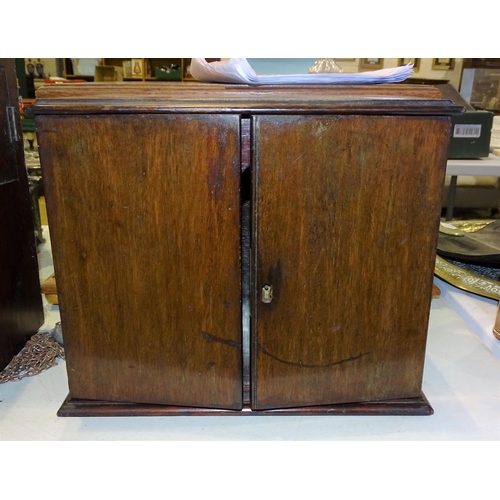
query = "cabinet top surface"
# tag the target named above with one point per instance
(127, 97)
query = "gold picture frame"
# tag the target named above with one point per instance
(443, 64)
(137, 68)
(371, 63)
(415, 62)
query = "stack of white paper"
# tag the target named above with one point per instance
(238, 70)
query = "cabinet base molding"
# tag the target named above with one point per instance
(418, 406)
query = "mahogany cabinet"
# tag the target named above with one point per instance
(21, 308)
(224, 249)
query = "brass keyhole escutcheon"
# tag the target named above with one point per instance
(267, 294)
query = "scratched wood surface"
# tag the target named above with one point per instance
(145, 229)
(227, 93)
(346, 212)
(219, 98)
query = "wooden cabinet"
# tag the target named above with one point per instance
(21, 308)
(238, 250)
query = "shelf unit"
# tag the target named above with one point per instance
(146, 65)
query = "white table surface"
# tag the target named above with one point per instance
(477, 312)
(480, 166)
(461, 381)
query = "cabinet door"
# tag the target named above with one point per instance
(346, 214)
(145, 221)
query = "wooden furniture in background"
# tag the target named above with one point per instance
(337, 193)
(49, 289)
(21, 310)
(151, 63)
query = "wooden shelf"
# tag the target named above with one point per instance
(148, 65)
(89, 78)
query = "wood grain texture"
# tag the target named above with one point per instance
(21, 309)
(346, 212)
(219, 98)
(49, 286)
(145, 231)
(211, 91)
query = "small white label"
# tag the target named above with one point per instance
(467, 130)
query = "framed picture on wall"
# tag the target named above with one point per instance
(443, 64)
(137, 68)
(415, 62)
(371, 63)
